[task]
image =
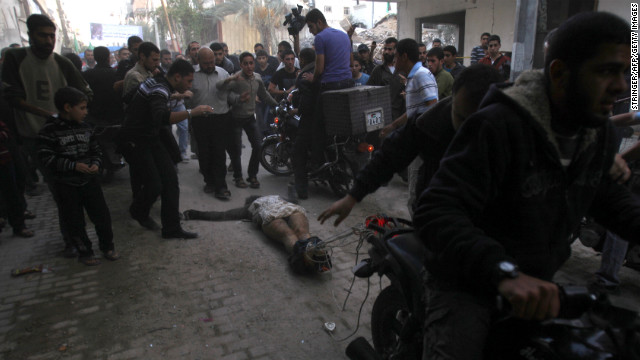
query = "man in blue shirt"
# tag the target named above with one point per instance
(333, 54)
(332, 72)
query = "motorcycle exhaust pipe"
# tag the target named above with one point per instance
(360, 349)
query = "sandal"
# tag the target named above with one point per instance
(89, 260)
(223, 194)
(23, 233)
(253, 183)
(240, 183)
(28, 215)
(111, 255)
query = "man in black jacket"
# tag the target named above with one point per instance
(304, 106)
(144, 145)
(427, 137)
(515, 182)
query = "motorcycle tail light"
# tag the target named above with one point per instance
(276, 121)
(364, 147)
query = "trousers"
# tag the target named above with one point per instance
(214, 134)
(152, 168)
(73, 200)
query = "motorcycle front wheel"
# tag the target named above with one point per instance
(275, 157)
(385, 325)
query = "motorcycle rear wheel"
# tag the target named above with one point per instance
(385, 327)
(342, 177)
(275, 158)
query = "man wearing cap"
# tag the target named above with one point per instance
(365, 56)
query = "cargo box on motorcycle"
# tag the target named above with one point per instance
(356, 110)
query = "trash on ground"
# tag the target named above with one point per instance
(207, 319)
(33, 269)
(330, 326)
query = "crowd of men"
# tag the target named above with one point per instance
(507, 171)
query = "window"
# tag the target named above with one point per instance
(347, 11)
(327, 9)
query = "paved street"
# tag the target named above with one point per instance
(227, 295)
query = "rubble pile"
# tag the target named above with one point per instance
(385, 28)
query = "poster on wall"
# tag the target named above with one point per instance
(106, 34)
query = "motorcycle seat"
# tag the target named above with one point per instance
(409, 252)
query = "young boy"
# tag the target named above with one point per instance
(70, 152)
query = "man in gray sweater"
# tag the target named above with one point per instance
(248, 85)
(213, 131)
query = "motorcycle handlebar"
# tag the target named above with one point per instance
(574, 301)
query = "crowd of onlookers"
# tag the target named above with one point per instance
(75, 149)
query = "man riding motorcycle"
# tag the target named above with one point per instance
(514, 184)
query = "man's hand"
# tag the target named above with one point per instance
(245, 96)
(386, 131)
(307, 77)
(93, 169)
(233, 77)
(619, 171)
(531, 298)
(351, 30)
(201, 110)
(342, 208)
(187, 94)
(83, 168)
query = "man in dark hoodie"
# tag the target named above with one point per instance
(515, 182)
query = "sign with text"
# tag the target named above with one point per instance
(106, 34)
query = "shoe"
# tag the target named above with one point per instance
(302, 194)
(89, 260)
(148, 223)
(253, 183)
(28, 215)
(69, 252)
(111, 255)
(185, 157)
(194, 156)
(23, 233)
(240, 183)
(230, 168)
(223, 194)
(179, 234)
(600, 287)
(208, 189)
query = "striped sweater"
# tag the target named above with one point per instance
(63, 143)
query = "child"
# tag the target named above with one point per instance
(70, 153)
(359, 77)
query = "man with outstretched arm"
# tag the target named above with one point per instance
(427, 137)
(149, 152)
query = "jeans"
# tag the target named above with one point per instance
(31, 145)
(457, 322)
(214, 134)
(250, 127)
(320, 137)
(12, 196)
(182, 129)
(264, 118)
(151, 167)
(300, 157)
(73, 201)
(614, 252)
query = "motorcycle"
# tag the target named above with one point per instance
(343, 156)
(589, 326)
